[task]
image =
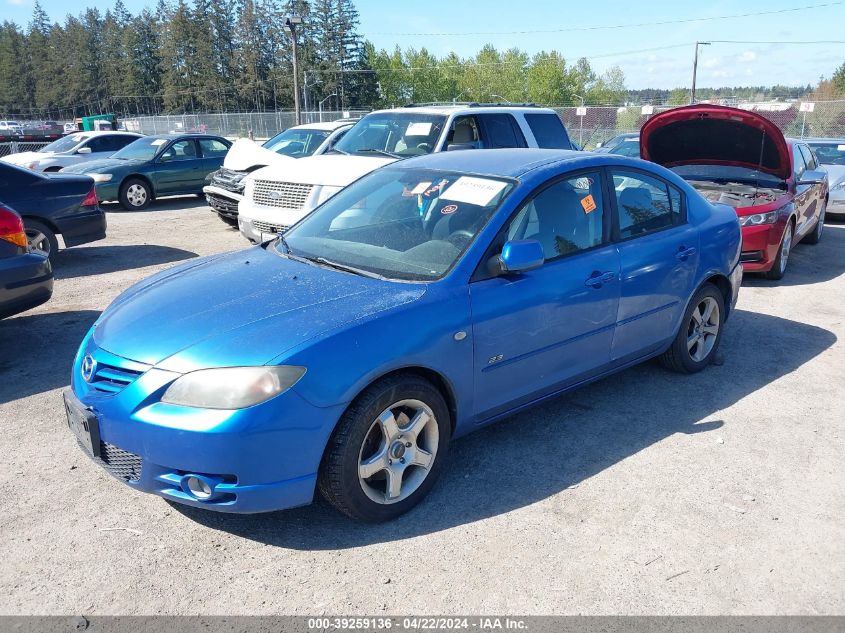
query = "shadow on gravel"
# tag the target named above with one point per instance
(811, 263)
(83, 261)
(175, 203)
(39, 351)
(543, 451)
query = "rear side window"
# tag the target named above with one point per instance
(211, 147)
(502, 131)
(645, 204)
(549, 131)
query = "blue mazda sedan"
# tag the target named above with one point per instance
(425, 300)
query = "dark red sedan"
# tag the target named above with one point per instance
(740, 158)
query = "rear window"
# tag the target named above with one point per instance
(549, 131)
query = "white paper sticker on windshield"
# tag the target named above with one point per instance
(159, 141)
(420, 188)
(840, 148)
(419, 128)
(478, 191)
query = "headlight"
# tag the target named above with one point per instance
(101, 177)
(758, 219)
(326, 192)
(231, 387)
(839, 186)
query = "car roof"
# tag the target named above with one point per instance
(324, 125)
(824, 141)
(507, 162)
(463, 108)
(103, 132)
(187, 135)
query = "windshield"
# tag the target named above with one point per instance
(65, 144)
(829, 153)
(398, 133)
(143, 149)
(726, 173)
(409, 224)
(297, 143)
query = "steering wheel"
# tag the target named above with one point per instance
(460, 238)
(426, 147)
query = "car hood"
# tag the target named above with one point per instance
(706, 134)
(241, 308)
(102, 165)
(245, 154)
(332, 170)
(25, 158)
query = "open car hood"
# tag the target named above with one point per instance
(705, 134)
(245, 154)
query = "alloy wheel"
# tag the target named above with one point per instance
(398, 452)
(785, 248)
(703, 329)
(38, 242)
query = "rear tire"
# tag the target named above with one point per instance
(697, 340)
(387, 450)
(782, 258)
(135, 194)
(41, 238)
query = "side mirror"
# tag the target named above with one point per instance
(815, 177)
(520, 256)
(83, 150)
(451, 147)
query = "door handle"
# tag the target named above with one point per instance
(685, 253)
(597, 279)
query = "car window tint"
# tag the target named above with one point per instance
(464, 132)
(567, 217)
(548, 130)
(211, 147)
(99, 144)
(502, 131)
(644, 203)
(809, 159)
(180, 150)
(798, 166)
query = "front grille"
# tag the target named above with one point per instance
(119, 463)
(111, 379)
(284, 195)
(266, 227)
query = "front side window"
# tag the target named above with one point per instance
(809, 159)
(400, 134)
(297, 142)
(180, 150)
(566, 217)
(408, 224)
(645, 204)
(464, 134)
(798, 166)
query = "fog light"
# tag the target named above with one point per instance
(198, 487)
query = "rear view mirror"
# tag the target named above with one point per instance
(520, 256)
(815, 177)
(83, 150)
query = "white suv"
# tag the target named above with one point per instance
(279, 195)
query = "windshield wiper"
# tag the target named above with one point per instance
(373, 150)
(346, 268)
(339, 151)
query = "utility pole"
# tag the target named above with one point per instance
(290, 28)
(695, 69)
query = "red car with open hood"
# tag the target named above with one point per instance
(740, 158)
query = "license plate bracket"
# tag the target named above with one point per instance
(83, 424)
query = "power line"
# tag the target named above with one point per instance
(606, 27)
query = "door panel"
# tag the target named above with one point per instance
(179, 168)
(659, 259)
(541, 330)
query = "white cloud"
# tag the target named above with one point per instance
(17, 3)
(746, 57)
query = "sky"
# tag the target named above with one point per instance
(607, 32)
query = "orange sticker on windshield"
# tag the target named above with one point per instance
(588, 203)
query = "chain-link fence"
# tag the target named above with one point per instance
(259, 125)
(15, 147)
(800, 119)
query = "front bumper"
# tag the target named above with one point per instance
(760, 246)
(26, 281)
(223, 201)
(82, 228)
(258, 459)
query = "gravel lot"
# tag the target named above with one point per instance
(647, 493)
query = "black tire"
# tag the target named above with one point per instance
(679, 357)
(233, 222)
(135, 194)
(816, 236)
(338, 479)
(41, 238)
(778, 270)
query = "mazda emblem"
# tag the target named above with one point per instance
(89, 366)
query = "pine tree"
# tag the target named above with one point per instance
(15, 97)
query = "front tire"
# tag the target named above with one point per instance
(782, 258)
(387, 450)
(698, 338)
(135, 194)
(41, 238)
(816, 236)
